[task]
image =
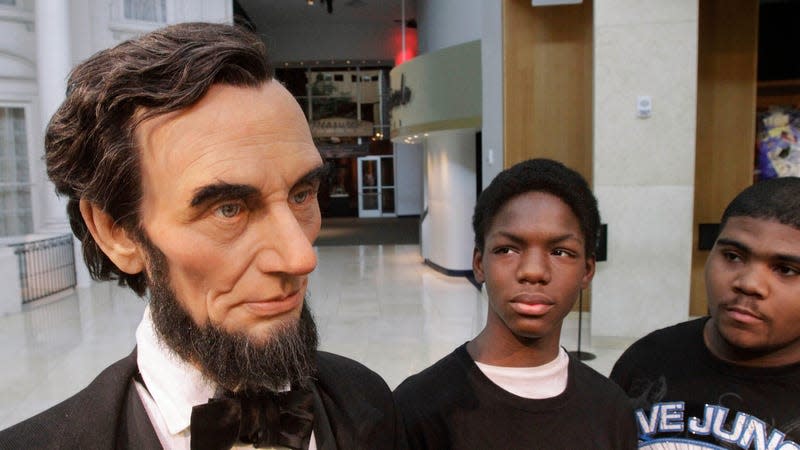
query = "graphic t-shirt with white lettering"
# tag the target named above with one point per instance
(686, 398)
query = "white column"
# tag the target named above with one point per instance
(451, 182)
(644, 167)
(53, 64)
(11, 300)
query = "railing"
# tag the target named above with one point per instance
(45, 267)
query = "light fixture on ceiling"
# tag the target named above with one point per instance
(309, 2)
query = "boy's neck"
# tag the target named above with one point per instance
(724, 350)
(509, 350)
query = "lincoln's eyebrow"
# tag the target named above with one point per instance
(212, 193)
(316, 174)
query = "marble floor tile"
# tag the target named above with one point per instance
(377, 304)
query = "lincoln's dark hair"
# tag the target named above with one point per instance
(775, 199)
(538, 175)
(89, 144)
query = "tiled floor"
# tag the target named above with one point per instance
(377, 304)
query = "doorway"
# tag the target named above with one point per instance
(376, 186)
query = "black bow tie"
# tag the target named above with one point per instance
(273, 419)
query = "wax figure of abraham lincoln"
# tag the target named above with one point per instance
(191, 177)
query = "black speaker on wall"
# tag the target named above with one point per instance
(706, 235)
(602, 243)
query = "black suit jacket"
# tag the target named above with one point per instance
(108, 413)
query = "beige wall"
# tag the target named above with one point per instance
(644, 168)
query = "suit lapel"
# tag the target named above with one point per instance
(135, 428)
(352, 416)
(323, 434)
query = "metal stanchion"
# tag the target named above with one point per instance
(583, 356)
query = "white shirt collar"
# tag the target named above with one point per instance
(174, 384)
(545, 381)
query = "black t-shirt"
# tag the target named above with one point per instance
(683, 395)
(453, 405)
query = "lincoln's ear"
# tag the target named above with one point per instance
(477, 265)
(112, 239)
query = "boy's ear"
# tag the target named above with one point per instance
(477, 265)
(591, 264)
(112, 239)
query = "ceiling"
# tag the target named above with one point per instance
(264, 13)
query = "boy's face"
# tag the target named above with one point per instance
(534, 265)
(753, 285)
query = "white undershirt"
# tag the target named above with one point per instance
(173, 388)
(545, 381)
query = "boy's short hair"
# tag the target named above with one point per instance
(774, 199)
(539, 175)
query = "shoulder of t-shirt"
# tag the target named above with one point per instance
(593, 383)
(691, 329)
(430, 383)
(659, 347)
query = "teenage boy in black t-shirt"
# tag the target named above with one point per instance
(732, 379)
(513, 386)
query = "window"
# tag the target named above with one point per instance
(145, 10)
(15, 186)
(353, 93)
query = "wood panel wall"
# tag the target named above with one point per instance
(548, 78)
(726, 108)
(547, 85)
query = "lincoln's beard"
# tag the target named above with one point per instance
(234, 361)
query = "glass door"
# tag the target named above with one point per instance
(386, 181)
(369, 198)
(376, 186)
